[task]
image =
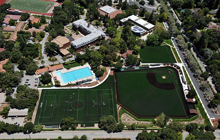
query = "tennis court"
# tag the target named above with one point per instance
(148, 92)
(40, 6)
(86, 106)
(157, 54)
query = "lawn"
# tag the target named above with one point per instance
(84, 105)
(71, 64)
(137, 94)
(157, 54)
(168, 41)
(119, 31)
(32, 5)
(159, 24)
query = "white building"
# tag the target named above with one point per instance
(91, 34)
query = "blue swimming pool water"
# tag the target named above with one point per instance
(74, 75)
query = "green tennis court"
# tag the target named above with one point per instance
(149, 92)
(157, 54)
(32, 5)
(87, 106)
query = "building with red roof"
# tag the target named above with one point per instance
(112, 12)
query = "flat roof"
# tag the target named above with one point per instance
(138, 21)
(61, 40)
(107, 9)
(64, 51)
(138, 29)
(92, 36)
(18, 112)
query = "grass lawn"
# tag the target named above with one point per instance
(84, 105)
(157, 54)
(137, 94)
(32, 5)
(119, 31)
(168, 41)
(159, 24)
(7, 35)
(71, 64)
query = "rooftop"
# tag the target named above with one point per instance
(124, 55)
(2, 49)
(49, 68)
(111, 14)
(139, 21)
(92, 36)
(17, 112)
(3, 63)
(107, 9)
(8, 17)
(64, 51)
(138, 29)
(60, 40)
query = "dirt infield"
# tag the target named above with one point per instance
(151, 77)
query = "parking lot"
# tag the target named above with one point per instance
(13, 120)
(30, 80)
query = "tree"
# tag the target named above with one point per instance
(5, 111)
(107, 123)
(209, 127)
(133, 126)
(192, 126)
(9, 91)
(51, 48)
(23, 63)
(57, 83)
(161, 120)
(53, 59)
(64, 58)
(83, 137)
(119, 127)
(12, 128)
(43, 19)
(28, 127)
(31, 68)
(190, 137)
(118, 65)
(178, 127)
(151, 2)
(191, 94)
(218, 13)
(30, 24)
(38, 128)
(24, 16)
(11, 22)
(34, 33)
(67, 123)
(42, 62)
(131, 60)
(205, 75)
(142, 2)
(46, 78)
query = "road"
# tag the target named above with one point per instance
(70, 134)
(197, 86)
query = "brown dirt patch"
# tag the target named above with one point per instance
(127, 119)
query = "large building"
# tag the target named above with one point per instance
(91, 35)
(140, 22)
(110, 11)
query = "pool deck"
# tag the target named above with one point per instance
(55, 76)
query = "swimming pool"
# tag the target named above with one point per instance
(74, 75)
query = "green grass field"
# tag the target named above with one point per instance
(32, 5)
(84, 105)
(157, 54)
(145, 100)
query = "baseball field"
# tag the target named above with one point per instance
(147, 93)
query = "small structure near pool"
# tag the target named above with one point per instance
(77, 75)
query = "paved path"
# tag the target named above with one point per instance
(147, 7)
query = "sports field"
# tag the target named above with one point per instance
(85, 105)
(157, 54)
(31, 5)
(147, 93)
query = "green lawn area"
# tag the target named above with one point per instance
(159, 24)
(157, 54)
(84, 105)
(136, 93)
(168, 41)
(71, 64)
(119, 31)
(32, 5)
